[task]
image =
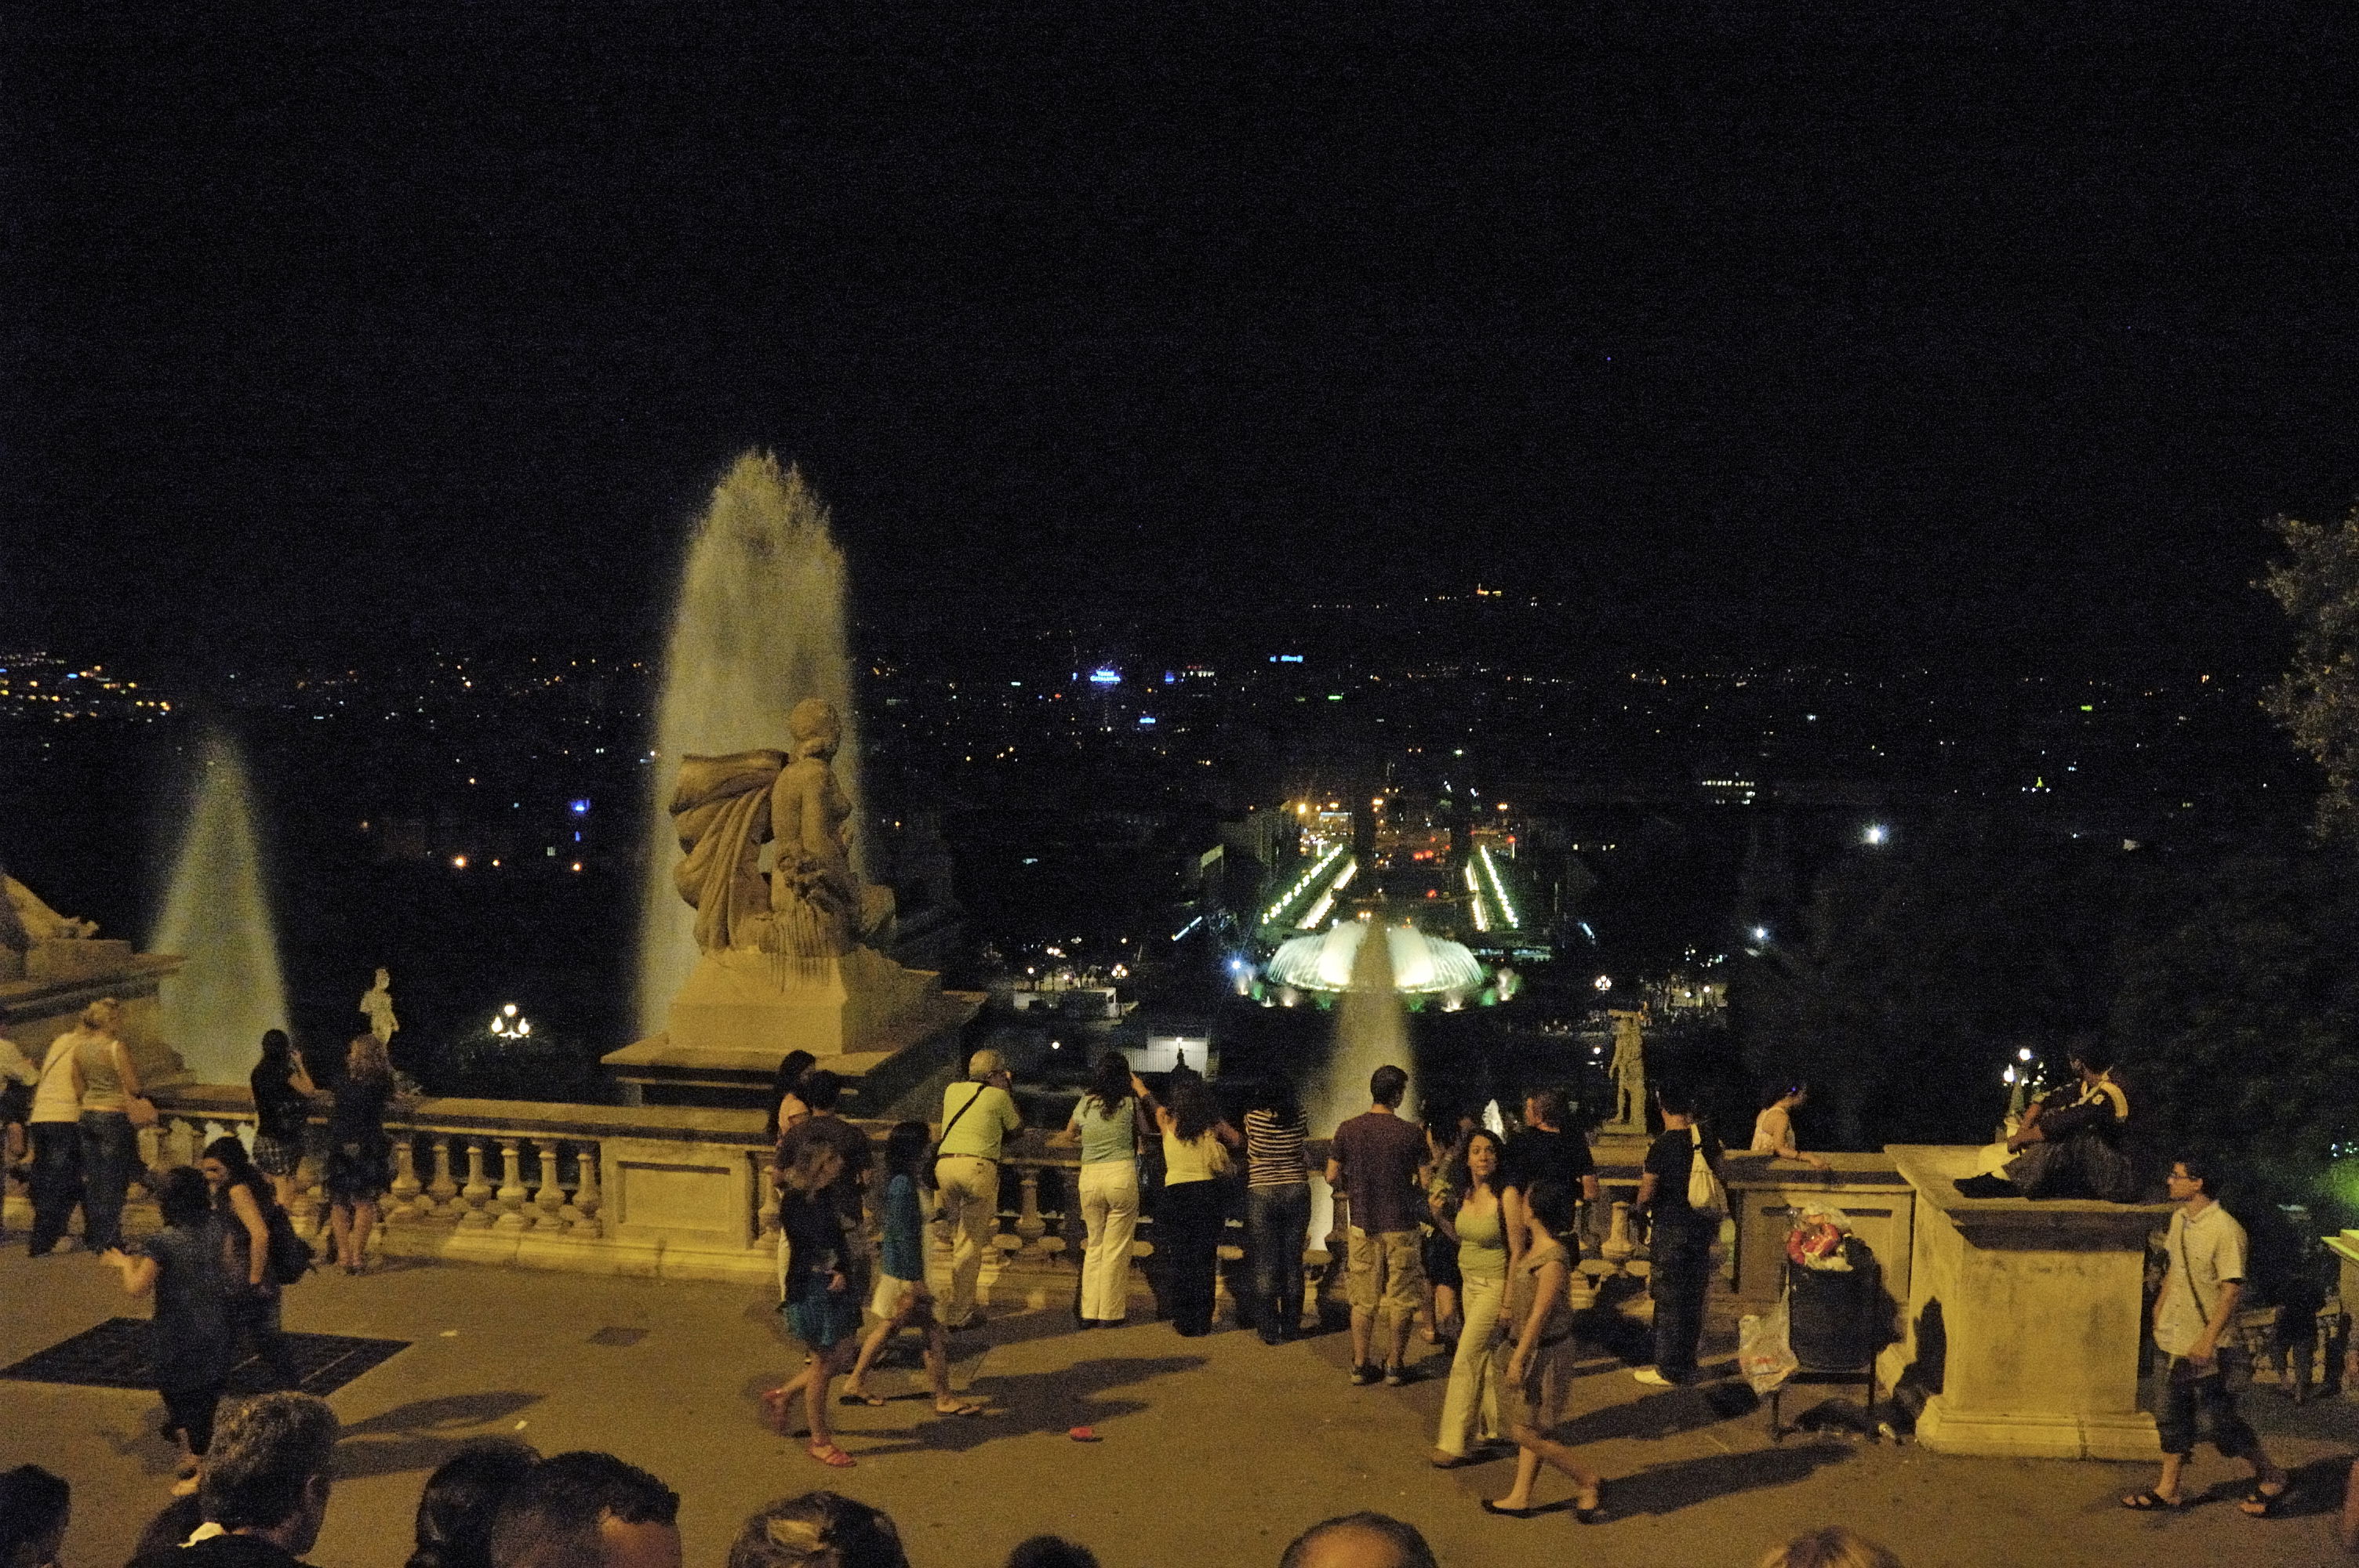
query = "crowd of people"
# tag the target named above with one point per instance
(1472, 1233)
(269, 1482)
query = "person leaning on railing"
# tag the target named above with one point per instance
(977, 1116)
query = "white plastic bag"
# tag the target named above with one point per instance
(1764, 1348)
(1705, 1194)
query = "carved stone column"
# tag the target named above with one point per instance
(406, 1184)
(512, 1191)
(1029, 1225)
(477, 1193)
(587, 1199)
(441, 1199)
(551, 1198)
(1618, 1245)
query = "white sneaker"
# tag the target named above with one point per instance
(1653, 1378)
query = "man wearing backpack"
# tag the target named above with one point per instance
(1684, 1201)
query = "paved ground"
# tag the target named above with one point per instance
(1215, 1451)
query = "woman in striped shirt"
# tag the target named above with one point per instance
(1277, 1206)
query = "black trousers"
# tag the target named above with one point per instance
(1188, 1222)
(192, 1410)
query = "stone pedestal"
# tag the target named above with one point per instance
(58, 978)
(864, 1017)
(2024, 1319)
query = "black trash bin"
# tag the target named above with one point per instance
(1827, 1312)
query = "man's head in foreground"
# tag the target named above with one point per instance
(573, 1510)
(1359, 1540)
(269, 1469)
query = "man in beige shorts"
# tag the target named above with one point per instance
(1375, 1165)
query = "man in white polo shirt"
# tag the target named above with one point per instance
(976, 1114)
(2200, 1288)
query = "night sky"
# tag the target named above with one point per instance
(1811, 327)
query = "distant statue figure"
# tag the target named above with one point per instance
(813, 906)
(1629, 1068)
(377, 1006)
(25, 919)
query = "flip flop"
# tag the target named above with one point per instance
(960, 1409)
(828, 1454)
(1491, 1507)
(873, 1402)
(2149, 1502)
(1441, 1461)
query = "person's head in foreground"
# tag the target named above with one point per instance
(1833, 1547)
(34, 1507)
(817, 1529)
(578, 1508)
(1050, 1552)
(455, 1512)
(1362, 1540)
(270, 1467)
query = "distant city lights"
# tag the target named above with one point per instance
(458, 863)
(1761, 933)
(1105, 674)
(578, 807)
(1878, 833)
(509, 1024)
(1604, 982)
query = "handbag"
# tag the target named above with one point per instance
(290, 1255)
(1705, 1194)
(1216, 1156)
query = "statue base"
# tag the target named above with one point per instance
(43, 992)
(864, 1017)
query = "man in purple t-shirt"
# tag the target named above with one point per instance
(1374, 1163)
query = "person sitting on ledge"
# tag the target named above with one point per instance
(2071, 1146)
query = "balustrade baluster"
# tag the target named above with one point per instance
(477, 1193)
(310, 1211)
(551, 1197)
(1072, 1225)
(511, 1195)
(442, 1196)
(765, 1211)
(587, 1200)
(1029, 1225)
(406, 1184)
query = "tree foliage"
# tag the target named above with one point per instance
(2316, 700)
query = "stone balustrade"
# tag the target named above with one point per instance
(662, 1191)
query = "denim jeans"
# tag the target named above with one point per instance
(1680, 1274)
(1278, 1225)
(2190, 1391)
(110, 1152)
(56, 1180)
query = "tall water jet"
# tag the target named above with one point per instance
(217, 915)
(759, 626)
(1370, 1032)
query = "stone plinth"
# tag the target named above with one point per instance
(1763, 1191)
(58, 978)
(2024, 1319)
(883, 1028)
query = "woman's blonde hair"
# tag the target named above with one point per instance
(367, 1059)
(103, 1013)
(817, 1529)
(811, 1157)
(1836, 1546)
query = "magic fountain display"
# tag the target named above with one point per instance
(217, 918)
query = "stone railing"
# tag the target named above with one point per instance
(661, 1191)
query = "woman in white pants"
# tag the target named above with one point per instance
(1105, 1122)
(1481, 1212)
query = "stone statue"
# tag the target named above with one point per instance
(1630, 1069)
(25, 919)
(811, 907)
(377, 1006)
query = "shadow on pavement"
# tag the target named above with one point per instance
(423, 1433)
(1666, 1488)
(1022, 1404)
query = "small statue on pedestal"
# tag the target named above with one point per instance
(377, 1006)
(1629, 1070)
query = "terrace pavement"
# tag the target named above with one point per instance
(1214, 1451)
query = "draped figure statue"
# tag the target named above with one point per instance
(813, 906)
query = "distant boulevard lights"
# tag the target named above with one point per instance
(2023, 1054)
(458, 863)
(508, 1024)
(578, 807)
(1878, 833)
(1761, 933)
(1604, 982)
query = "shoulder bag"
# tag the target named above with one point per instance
(1705, 1194)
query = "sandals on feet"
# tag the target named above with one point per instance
(1594, 1513)
(2259, 1503)
(1490, 1506)
(962, 1408)
(2151, 1501)
(834, 1458)
(873, 1402)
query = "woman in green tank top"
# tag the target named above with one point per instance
(1479, 1212)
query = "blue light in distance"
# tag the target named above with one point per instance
(578, 807)
(1105, 674)
(1146, 719)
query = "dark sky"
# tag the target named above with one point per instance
(1889, 331)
